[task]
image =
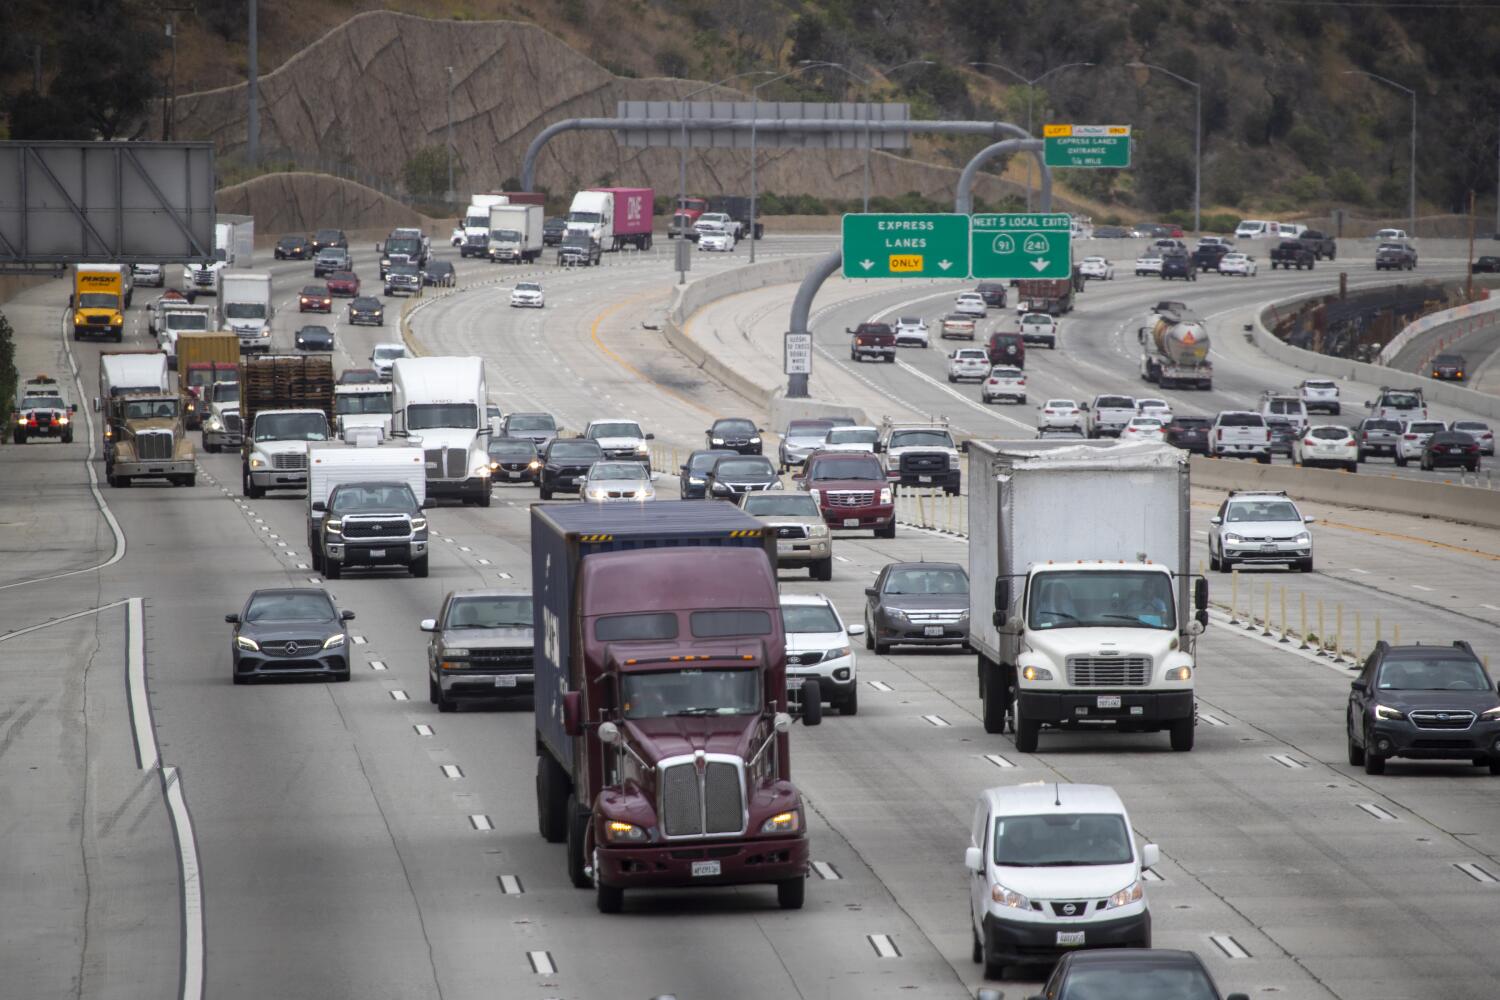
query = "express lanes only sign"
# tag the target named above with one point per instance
(906, 246)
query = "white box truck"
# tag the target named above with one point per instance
(439, 405)
(516, 233)
(245, 309)
(1081, 608)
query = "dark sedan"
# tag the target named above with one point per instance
(1189, 433)
(566, 463)
(1132, 973)
(325, 238)
(1448, 368)
(1487, 265)
(513, 460)
(692, 477)
(366, 310)
(439, 273)
(1454, 448)
(290, 632)
(917, 604)
(314, 298)
(313, 338)
(343, 283)
(293, 248)
(735, 434)
(732, 476)
(482, 646)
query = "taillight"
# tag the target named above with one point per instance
(1411, 437)
(1308, 441)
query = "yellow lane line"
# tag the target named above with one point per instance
(594, 334)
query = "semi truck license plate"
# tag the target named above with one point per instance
(702, 868)
(1109, 701)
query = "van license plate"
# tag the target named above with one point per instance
(702, 868)
(377, 553)
(1109, 701)
(1070, 937)
(505, 681)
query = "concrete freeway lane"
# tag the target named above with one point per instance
(340, 859)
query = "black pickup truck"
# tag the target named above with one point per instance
(1395, 257)
(1292, 253)
(1323, 247)
(1207, 256)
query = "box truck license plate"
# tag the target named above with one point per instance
(851, 522)
(1070, 937)
(933, 630)
(1109, 701)
(505, 681)
(702, 868)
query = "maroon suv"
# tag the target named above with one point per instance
(852, 491)
(1007, 349)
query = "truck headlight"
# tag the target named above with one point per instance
(257, 462)
(818, 530)
(334, 641)
(242, 643)
(643, 449)
(616, 831)
(334, 525)
(1009, 897)
(1036, 674)
(419, 524)
(1180, 674)
(1132, 893)
(785, 822)
(953, 462)
(1389, 713)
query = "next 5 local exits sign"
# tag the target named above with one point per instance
(906, 246)
(1086, 145)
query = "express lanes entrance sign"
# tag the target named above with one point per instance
(906, 246)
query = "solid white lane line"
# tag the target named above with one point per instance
(883, 945)
(422, 729)
(1211, 719)
(1286, 760)
(377, 664)
(1490, 606)
(479, 821)
(1418, 586)
(1361, 572)
(452, 771)
(59, 621)
(826, 871)
(1476, 873)
(937, 720)
(192, 885)
(881, 686)
(541, 962)
(399, 695)
(1384, 815)
(998, 760)
(841, 559)
(146, 754)
(510, 885)
(1229, 946)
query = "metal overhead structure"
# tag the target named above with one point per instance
(124, 202)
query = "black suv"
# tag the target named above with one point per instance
(1178, 265)
(1425, 703)
(1132, 972)
(993, 293)
(293, 248)
(565, 465)
(325, 238)
(1189, 433)
(1448, 367)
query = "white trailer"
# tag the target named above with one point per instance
(1080, 605)
(516, 233)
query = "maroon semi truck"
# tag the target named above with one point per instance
(661, 703)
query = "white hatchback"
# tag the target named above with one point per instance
(1414, 435)
(1241, 264)
(1004, 382)
(1158, 408)
(1149, 264)
(1060, 413)
(1053, 868)
(1328, 444)
(911, 331)
(971, 304)
(1097, 267)
(1144, 429)
(968, 363)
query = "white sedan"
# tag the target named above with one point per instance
(1327, 444)
(1065, 413)
(1241, 264)
(1004, 382)
(1143, 429)
(970, 304)
(1149, 264)
(1158, 408)
(968, 362)
(1097, 267)
(911, 331)
(527, 295)
(717, 240)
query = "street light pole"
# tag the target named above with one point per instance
(449, 196)
(1197, 138)
(1030, 94)
(804, 65)
(1412, 195)
(869, 107)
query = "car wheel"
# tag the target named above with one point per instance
(976, 953)
(1400, 460)
(888, 531)
(869, 634)
(1374, 763)
(822, 570)
(419, 567)
(445, 703)
(1182, 735)
(1352, 466)
(881, 647)
(1356, 752)
(849, 705)
(993, 967)
(546, 493)
(1213, 562)
(331, 569)
(1494, 765)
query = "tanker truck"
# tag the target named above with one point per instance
(1174, 351)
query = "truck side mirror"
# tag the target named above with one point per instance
(1200, 620)
(319, 505)
(96, 404)
(572, 712)
(1150, 855)
(73, 408)
(963, 446)
(1002, 594)
(1200, 594)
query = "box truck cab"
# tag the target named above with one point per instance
(438, 404)
(101, 294)
(661, 702)
(245, 309)
(515, 233)
(174, 317)
(1081, 609)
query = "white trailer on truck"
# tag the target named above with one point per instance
(516, 233)
(1080, 605)
(245, 309)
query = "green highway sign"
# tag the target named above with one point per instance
(1020, 245)
(906, 246)
(1086, 145)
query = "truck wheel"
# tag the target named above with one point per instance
(332, 570)
(1027, 731)
(484, 497)
(546, 493)
(578, 830)
(889, 531)
(248, 487)
(608, 898)
(890, 359)
(790, 893)
(552, 797)
(812, 703)
(996, 693)
(822, 570)
(19, 437)
(1264, 459)
(419, 568)
(1182, 735)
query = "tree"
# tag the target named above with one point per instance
(425, 173)
(106, 79)
(1164, 174)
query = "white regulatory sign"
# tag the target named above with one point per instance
(798, 354)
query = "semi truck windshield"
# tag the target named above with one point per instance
(1124, 599)
(691, 692)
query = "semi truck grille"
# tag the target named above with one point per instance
(389, 527)
(702, 806)
(446, 463)
(289, 461)
(232, 423)
(1442, 720)
(153, 445)
(848, 498)
(1109, 671)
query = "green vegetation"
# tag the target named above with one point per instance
(425, 173)
(8, 373)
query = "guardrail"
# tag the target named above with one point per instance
(1485, 310)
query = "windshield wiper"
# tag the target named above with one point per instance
(1058, 614)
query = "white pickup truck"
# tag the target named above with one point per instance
(1240, 434)
(1107, 415)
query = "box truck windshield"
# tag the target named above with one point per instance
(364, 402)
(245, 310)
(676, 693)
(427, 416)
(1124, 599)
(505, 235)
(183, 321)
(98, 300)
